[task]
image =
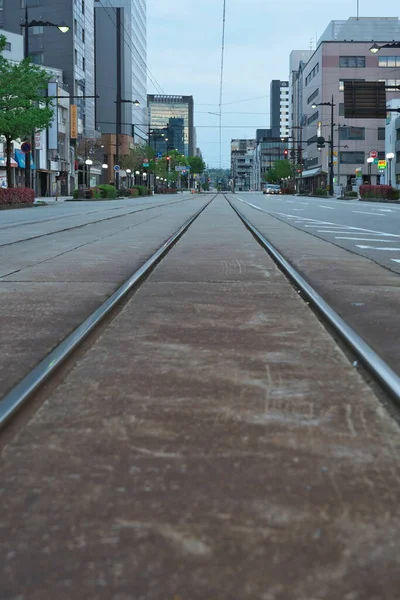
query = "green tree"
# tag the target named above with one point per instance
(197, 165)
(271, 176)
(23, 107)
(283, 169)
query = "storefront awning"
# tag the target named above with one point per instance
(3, 162)
(20, 158)
(313, 172)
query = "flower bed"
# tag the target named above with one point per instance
(17, 196)
(380, 193)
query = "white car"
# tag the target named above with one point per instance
(271, 188)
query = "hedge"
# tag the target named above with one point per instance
(379, 192)
(108, 191)
(17, 196)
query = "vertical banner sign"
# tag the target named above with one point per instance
(52, 90)
(74, 121)
(319, 129)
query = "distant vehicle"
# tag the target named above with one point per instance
(271, 188)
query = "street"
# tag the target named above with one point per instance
(371, 229)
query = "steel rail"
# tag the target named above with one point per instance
(18, 396)
(365, 354)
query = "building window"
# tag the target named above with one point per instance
(83, 63)
(341, 109)
(75, 27)
(313, 118)
(37, 58)
(398, 157)
(352, 133)
(83, 7)
(381, 133)
(381, 156)
(1, 4)
(313, 96)
(312, 74)
(29, 3)
(392, 85)
(398, 135)
(38, 30)
(389, 61)
(76, 56)
(83, 35)
(352, 158)
(352, 62)
(8, 45)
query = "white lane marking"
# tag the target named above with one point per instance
(366, 240)
(305, 203)
(374, 248)
(351, 232)
(395, 260)
(361, 212)
(290, 201)
(298, 209)
(328, 207)
(384, 209)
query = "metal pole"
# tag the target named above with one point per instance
(331, 153)
(301, 154)
(338, 154)
(119, 98)
(26, 55)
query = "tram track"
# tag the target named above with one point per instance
(382, 374)
(18, 396)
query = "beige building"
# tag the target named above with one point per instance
(342, 53)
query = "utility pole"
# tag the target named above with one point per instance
(331, 153)
(119, 96)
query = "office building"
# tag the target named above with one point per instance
(162, 109)
(121, 66)
(72, 52)
(279, 112)
(321, 80)
(242, 163)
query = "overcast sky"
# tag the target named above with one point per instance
(184, 56)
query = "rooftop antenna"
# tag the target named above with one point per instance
(311, 44)
(358, 10)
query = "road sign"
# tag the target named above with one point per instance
(159, 154)
(145, 164)
(374, 154)
(375, 161)
(117, 168)
(381, 164)
(182, 168)
(26, 147)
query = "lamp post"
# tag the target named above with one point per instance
(137, 173)
(128, 172)
(26, 24)
(88, 163)
(370, 160)
(119, 101)
(332, 105)
(390, 157)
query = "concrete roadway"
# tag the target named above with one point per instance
(371, 229)
(59, 263)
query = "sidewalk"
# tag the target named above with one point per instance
(52, 199)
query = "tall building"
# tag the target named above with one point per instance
(320, 80)
(242, 163)
(279, 112)
(72, 53)
(121, 66)
(162, 109)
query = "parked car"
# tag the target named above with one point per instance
(271, 188)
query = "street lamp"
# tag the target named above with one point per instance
(137, 173)
(375, 48)
(390, 157)
(64, 28)
(332, 105)
(128, 172)
(370, 160)
(88, 163)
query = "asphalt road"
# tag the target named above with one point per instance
(370, 229)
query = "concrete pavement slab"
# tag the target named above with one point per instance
(214, 442)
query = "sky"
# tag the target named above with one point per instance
(184, 56)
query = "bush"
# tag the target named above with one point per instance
(351, 194)
(107, 191)
(379, 192)
(17, 196)
(321, 192)
(142, 189)
(96, 192)
(287, 190)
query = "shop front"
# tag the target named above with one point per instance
(311, 180)
(3, 172)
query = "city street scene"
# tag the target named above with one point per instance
(199, 275)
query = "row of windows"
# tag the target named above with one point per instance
(389, 61)
(312, 74)
(352, 62)
(353, 133)
(313, 118)
(313, 96)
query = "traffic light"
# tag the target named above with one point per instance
(285, 153)
(168, 158)
(320, 143)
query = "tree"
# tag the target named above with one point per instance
(197, 165)
(271, 176)
(283, 169)
(23, 108)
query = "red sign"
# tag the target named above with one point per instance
(373, 154)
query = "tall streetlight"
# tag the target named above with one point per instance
(332, 105)
(88, 163)
(25, 25)
(370, 160)
(128, 172)
(390, 157)
(118, 102)
(375, 48)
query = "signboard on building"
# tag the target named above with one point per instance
(38, 140)
(381, 164)
(364, 100)
(74, 121)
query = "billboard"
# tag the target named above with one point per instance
(365, 100)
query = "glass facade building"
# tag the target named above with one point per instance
(172, 112)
